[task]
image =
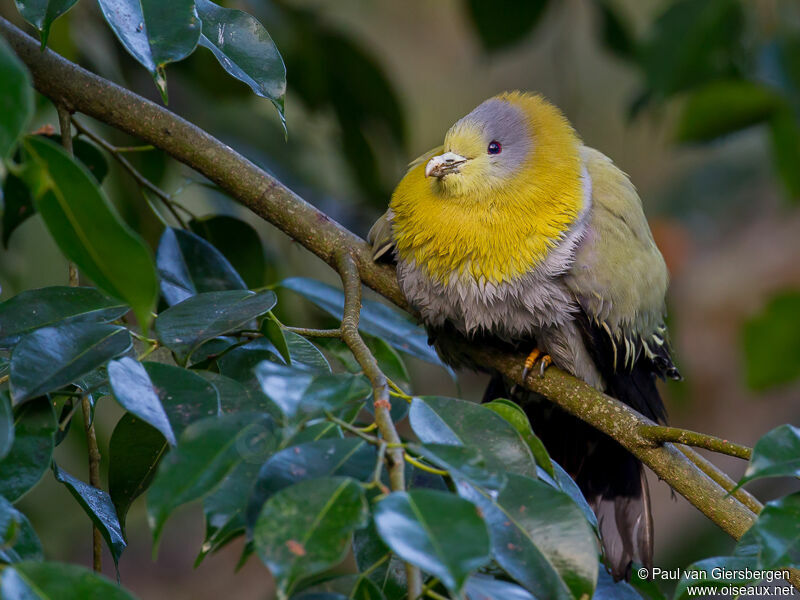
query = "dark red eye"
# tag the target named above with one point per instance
(494, 147)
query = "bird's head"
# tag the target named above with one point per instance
(505, 140)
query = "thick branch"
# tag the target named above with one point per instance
(70, 85)
(351, 282)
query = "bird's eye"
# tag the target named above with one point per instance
(494, 147)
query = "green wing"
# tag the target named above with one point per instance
(619, 277)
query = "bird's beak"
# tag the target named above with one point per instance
(444, 164)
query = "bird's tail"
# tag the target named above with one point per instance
(610, 477)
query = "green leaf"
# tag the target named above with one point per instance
(437, 420)
(390, 575)
(481, 587)
(562, 481)
(540, 537)
(57, 581)
(775, 536)
(206, 453)
(776, 454)
(18, 540)
(89, 232)
(29, 458)
(503, 23)
(608, 589)
(154, 33)
(276, 335)
(462, 462)
(771, 343)
(512, 413)
(135, 450)
(18, 205)
(785, 142)
(232, 395)
(183, 327)
(722, 107)
(240, 364)
(301, 393)
(33, 309)
(245, 50)
(52, 357)
(186, 396)
(16, 99)
(188, 265)
(238, 242)
(305, 529)
(6, 424)
(391, 324)
(348, 457)
(136, 393)
(303, 352)
(692, 42)
(98, 506)
(418, 526)
(42, 13)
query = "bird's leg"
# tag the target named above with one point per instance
(536, 355)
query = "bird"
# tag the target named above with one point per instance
(515, 235)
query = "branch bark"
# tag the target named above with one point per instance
(72, 86)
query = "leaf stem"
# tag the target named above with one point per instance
(94, 477)
(420, 465)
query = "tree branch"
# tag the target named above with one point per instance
(351, 283)
(70, 85)
(660, 435)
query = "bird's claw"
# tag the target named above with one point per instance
(536, 355)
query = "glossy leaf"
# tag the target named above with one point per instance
(135, 450)
(562, 481)
(29, 458)
(232, 395)
(390, 324)
(775, 536)
(52, 357)
(722, 107)
(512, 413)
(462, 462)
(277, 336)
(16, 99)
(771, 343)
(98, 506)
(503, 23)
(154, 33)
(185, 326)
(390, 575)
(42, 13)
(207, 452)
(437, 420)
(43, 307)
(136, 393)
(6, 424)
(777, 454)
(302, 393)
(188, 265)
(305, 529)
(540, 537)
(238, 242)
(18, 540)
(88, 231)
(240, 364)
(245, 50)
(349, 457)
(185, 396)
(303, 352)
(418, 526)
(481, 587)
(57, 581)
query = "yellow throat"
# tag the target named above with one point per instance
(491, 228)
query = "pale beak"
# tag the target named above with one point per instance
(444, 164)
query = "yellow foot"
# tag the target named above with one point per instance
(536, 355)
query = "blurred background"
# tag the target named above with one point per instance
(697, 100)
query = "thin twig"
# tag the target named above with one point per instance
(323, 333)
(660, 435)
(143, 181)
(722, 479)
(351, 282)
